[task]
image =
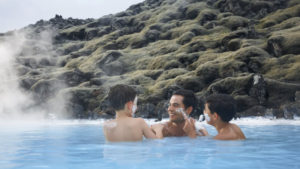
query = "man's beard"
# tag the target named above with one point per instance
(177, 120)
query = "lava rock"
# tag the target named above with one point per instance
(146, 111)
(297, 96)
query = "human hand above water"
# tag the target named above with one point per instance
(158, 130)
(203, 130)
(157, 127)
(189, 127)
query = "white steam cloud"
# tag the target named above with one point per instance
(12, 99)
(15, 102)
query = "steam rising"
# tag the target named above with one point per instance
(12, 99)
(15, 102)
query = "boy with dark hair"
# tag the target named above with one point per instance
(181, 105)
(123, 100)
(219, 110)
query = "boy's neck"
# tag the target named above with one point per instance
(121, 114)
(221, 125)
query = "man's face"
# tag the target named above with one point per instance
(176, 109)
(207, 114)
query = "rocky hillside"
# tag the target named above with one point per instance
(249, 49)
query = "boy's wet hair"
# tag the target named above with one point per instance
(119, 95)
(189, 98)
(224, 105)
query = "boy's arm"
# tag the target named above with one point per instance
(203, 131)
(158, 130)
(148, 133)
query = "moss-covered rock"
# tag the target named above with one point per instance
(246, 48)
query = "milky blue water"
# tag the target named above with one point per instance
(82, 145)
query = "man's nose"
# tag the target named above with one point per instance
(170, 108)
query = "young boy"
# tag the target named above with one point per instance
(123, 99)
(219, 110)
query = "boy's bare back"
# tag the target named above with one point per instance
(230, 132)
(127, 129)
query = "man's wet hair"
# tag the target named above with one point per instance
(222, 104)
(119, 95)
(189, 98)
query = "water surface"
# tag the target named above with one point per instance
(81, 144)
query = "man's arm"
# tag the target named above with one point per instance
(148, 133)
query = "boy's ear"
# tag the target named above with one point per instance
(216, 116)
(128, 105)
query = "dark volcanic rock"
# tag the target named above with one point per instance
(297, 96)
(258, 89)
(280, 93)
(257, 111)
(146, 111)
(291, 110)
(246, 48)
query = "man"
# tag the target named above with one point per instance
(181, 105)
(219, 110)
(123, 100)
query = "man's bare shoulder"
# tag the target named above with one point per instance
(166, 129)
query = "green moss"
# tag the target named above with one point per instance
(285, 68)
(279, 16)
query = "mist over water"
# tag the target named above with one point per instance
(17, 103)
(12, 99)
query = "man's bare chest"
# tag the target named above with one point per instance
(173, 132)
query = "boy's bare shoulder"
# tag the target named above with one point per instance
(237, 130)
(139, 120)
(233, 132)
(109, 124)
(234, 126)
(226, 136)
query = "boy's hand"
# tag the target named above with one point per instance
(157, 127)
(189, 127)
(158, 130)
(203, 130)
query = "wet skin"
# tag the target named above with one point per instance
(179, 125)
(226, 130)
